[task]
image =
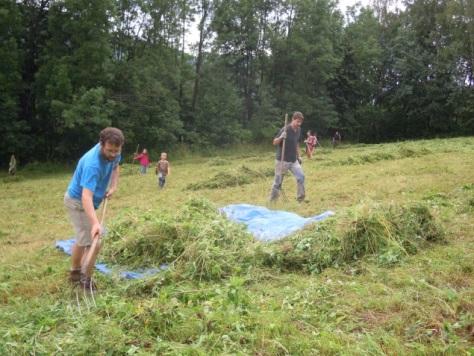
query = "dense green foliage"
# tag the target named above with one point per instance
(71, 67)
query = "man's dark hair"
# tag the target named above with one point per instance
(112, 135)
(297, 115)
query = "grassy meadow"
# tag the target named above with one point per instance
(303, 296)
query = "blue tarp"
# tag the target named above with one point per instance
(269, 225)
(66, 246)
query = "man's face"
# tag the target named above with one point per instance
(297, 122)
(110, 151)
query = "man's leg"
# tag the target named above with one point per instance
(77, 257)
(92, 252)
(299, 175)
(280, 170)
(82, 229)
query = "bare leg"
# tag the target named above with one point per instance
(77, 256)
(92, 255)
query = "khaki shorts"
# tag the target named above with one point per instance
(79, 220)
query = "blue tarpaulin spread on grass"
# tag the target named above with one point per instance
(66, 246)
(269, 225)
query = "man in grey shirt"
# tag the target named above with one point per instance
(290, 135)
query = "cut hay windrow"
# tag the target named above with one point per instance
(236, 177)
(199, 243)
(383, 233)
(373, 157)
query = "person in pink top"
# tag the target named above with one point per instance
(311, 141)
(144, 160)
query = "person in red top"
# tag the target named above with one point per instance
(144, 160)
(311, 141)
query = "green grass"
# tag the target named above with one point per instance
(369, 281)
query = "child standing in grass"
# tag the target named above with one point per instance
(144, 161)
(311, 141)
(162, 169)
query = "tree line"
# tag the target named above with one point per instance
(69, 68)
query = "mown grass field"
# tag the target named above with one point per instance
(422, 303)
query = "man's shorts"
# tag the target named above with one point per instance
(79, 220)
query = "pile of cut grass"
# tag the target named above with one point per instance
(384, 234)
(198, 242)
(239, 176)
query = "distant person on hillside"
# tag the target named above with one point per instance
(311, 141)
(143, 159)
(289, 159)
(336, 139)
(12, 165)
(88, 187)
(162, 169)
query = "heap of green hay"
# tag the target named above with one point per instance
(384, 234)
(197, 243)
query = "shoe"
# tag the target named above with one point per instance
(75, 276)
(87, 284)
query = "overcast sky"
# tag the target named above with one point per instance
(343, 4)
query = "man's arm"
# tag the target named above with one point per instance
(88, 205)
(280, 137)
(113, 182)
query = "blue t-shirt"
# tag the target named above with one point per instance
(92, 172)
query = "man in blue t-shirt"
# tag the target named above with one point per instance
(95, 178)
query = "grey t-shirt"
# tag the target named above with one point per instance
(291, 145)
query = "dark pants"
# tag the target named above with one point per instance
(161, 180)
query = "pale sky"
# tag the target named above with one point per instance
(343, 4)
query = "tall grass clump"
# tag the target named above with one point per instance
(382, 233)
(389, 233)
(197, 242)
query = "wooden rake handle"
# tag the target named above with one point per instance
(282, 157)
(96, 239)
